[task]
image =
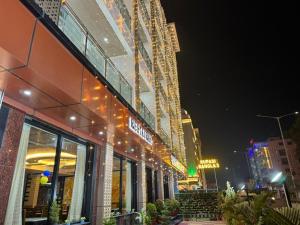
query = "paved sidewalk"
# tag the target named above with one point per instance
(203, 223)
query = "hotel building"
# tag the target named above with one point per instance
(90, 109)
(268, 158)
(193, 152)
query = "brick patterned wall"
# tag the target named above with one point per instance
(8, 156)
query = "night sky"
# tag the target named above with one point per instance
(238, 59)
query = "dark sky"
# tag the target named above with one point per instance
(238, 59)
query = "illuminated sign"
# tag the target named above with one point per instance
(140, 131)
(209, 164)
(177, 164)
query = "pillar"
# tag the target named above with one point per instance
(104, 187)
(160, 184)
(171, 185)
(9, 147)
(141, 185)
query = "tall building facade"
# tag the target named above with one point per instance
(268, 158)
(91, 115)
(193, 150)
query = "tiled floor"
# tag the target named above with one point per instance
(203, 223)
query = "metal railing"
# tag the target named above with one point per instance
(78, 34)
(127, 219)
(147, 115)
(145, 14)
(144, 53)
(164, 136)
(124, 12)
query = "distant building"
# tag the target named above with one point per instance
(280, 160)
(192, 143)
(260, 162)
(267, 158)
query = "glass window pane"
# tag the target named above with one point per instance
(115, 200)
(40, 159)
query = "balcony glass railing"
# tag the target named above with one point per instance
(164, 136)
(124, 12)
(144, 54)
(145, 14)
(86, 44)
(147, 115)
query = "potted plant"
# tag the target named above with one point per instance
(67, 222)
(109, 221)
(151, 213)
(54, 213)
(82, 219)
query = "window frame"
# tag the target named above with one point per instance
(90, 162)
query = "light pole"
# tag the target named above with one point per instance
(276, 178)
(282, 137)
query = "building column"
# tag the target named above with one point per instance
(104, 187)
(171, 186)
(9, 147)
(160, 184)
(141, 185)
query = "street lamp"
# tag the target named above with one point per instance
(276, 179)
(282, 137)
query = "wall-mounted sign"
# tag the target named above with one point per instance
(209, 164)
(177, 164)
(137, 128)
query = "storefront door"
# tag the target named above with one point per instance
(49, 176)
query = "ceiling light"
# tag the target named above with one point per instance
(132, 150)
(27, 92)
(101, 132)
(119, 142)
(105, 40)
(73, 118)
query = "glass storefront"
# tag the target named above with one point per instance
(123, 185)
(51, 166)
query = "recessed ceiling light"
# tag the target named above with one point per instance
(27, 92)
(105, 40)
(119, 142)
(132, 150)
(101, 132)
(73, 118)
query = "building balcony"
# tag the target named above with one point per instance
(147, 115)
(78, 34)
(145, 14)
(164, 136)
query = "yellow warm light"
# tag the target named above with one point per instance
(49, 155)
(267, 154)
(186, 120)
(209, 164)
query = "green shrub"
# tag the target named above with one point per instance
(172, 205)
(151, 210)
(54, 212)
(159, 205)
(109, 221)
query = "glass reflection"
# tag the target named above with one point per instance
(40, 159)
